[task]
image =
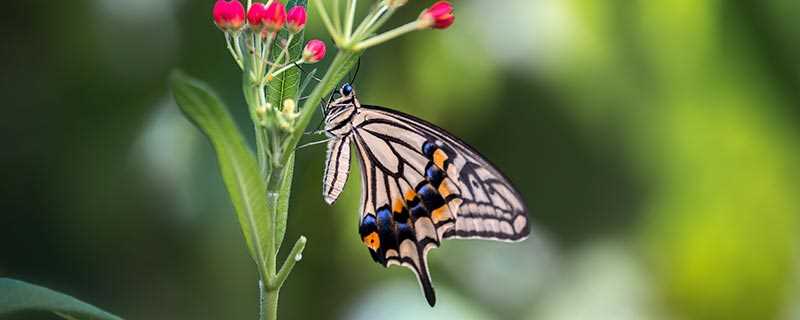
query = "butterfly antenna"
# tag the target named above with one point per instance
(304, 71)
(358, 66)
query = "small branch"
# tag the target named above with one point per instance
(386, 36)
(284, 54)
(377, 24)
(369, 21)
(327, 22)
(337, 17)
(351, 14)
(233, 52)
(294, 256)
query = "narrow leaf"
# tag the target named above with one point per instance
(282, 210)
(236, 161)
(18, 296)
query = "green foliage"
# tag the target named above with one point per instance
(18, 296)
(236, 161)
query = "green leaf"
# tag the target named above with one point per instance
(236, 161)
(285, 85)
(282, 209)
(18, 296)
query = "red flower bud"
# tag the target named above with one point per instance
(228, 15)
(275, 16)
(314, 51)
(439, 15)
(296, 18)
(256, 15)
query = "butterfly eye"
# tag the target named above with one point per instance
(347, 89)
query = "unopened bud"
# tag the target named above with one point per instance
(255, 17)
(289, 106)
(228, 15)
(438, 16)
(296, 19)
(314, 51)
(275, 16)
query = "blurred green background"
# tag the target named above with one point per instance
(654, 141)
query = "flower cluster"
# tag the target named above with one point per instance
(262, 38)
(263, 23)
(263, 52)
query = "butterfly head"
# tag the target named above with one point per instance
(339, 112)
(346, 90)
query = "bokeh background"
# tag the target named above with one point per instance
(656, 143)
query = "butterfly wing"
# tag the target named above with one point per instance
(337, 168)
(421, 185)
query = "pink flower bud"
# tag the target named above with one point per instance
(314, 51)
(275, 16)
(255, 16)
(296, 18)
(228, 15)
(439, 15)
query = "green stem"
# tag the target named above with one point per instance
(371, 30)
(337, 17)
(369, 22)
(351, 14)
(235, 53)
(271, 308)
(286, 67)
(295, 255)
(284, 53)
(388, 35)
(327, 22)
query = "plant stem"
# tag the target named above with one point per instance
(284, 53)
(327, 22)
(271, 309)
(388, 35)
(351, 13)
(369, 21)
(294, 256)
(371, 30)
(337, 17)
(235, 53)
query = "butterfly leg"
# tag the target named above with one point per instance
(312, 144)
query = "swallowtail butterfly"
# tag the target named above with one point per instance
(420, 185)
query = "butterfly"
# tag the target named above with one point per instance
(420, 185)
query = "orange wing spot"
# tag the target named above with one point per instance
(444, 190)
(372, 241)
(410, 194)
(439, 157)
(443, 213)
(398, 205)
